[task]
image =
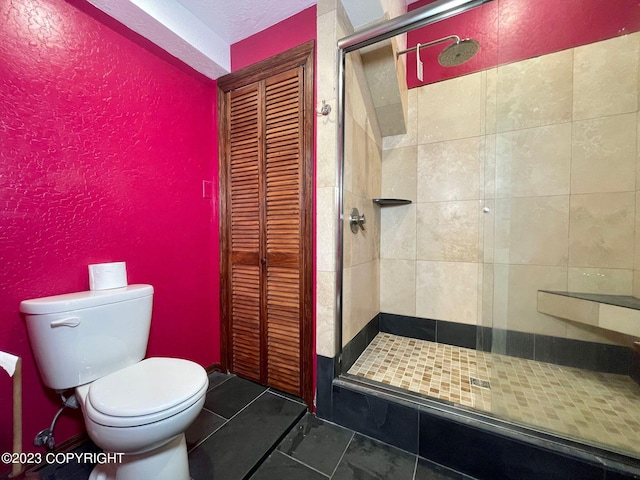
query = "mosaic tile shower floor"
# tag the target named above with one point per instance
(599, 408)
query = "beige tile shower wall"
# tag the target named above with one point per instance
(431, 250)
(636, 265)
(551, 147)
(331, 26)
(604, 169)
(362, 183)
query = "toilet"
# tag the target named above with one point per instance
(95, 342)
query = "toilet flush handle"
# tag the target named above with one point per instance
(66, 322)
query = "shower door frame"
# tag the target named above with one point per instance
(427, 408)
(421, 17)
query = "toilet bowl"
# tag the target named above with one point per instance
(133, 410)
(95, 342)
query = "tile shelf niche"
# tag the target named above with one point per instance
(619, 313)
(390, 201)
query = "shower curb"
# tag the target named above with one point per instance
(466, 441)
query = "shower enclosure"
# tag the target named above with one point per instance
(501, 251)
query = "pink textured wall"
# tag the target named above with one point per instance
(289, 33)
(104, 148)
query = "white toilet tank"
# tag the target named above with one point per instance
(80, 337)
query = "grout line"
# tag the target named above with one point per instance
(302, 463)
(282, 395)
(353, 434)
(381, 442)
(273, 447)
(324, 420)
(229, 377)
(245, 407)
(448, 470)
(415, 468)
(226, 420)
(211, 433)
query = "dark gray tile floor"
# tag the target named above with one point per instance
(248, 431)
(251, 420)
(315, 449)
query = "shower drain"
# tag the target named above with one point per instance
(476, 382)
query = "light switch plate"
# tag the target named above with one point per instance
(207, 189)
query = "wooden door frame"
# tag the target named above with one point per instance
(302, 55)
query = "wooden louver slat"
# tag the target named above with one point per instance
(244, 204)
(283, 230)
(266, 159)
(244, 170)
(283, 338)
(245, 308)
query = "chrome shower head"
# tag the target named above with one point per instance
(458, 52)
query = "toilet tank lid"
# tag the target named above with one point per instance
(79, 300)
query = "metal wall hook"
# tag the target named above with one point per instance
(356, 221)
(325, 109)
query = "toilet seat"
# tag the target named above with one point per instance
(146, 392)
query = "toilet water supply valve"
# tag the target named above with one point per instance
(45, 437)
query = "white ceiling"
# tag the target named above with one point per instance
(236, 20)
(200, 32)
(362, 12)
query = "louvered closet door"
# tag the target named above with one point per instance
(283, 229)
(245, 169)
(266, 182)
